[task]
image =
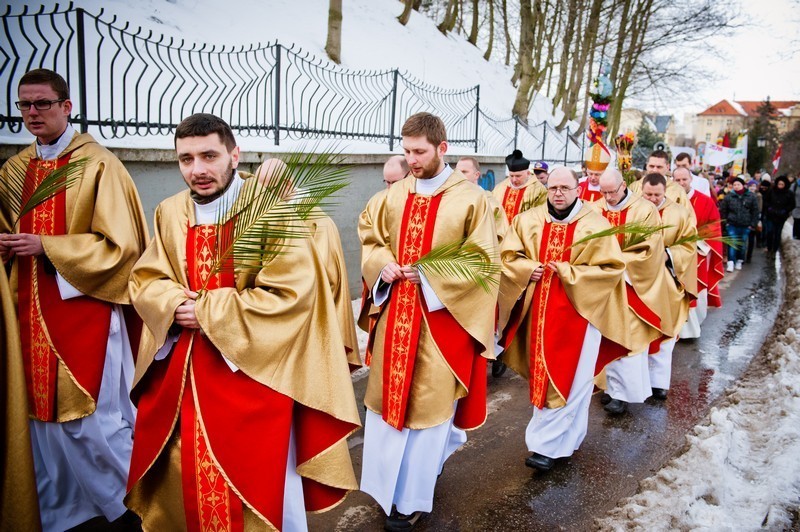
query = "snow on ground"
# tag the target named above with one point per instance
(741, 466)
(372, 39)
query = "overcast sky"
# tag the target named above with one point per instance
(759, 54)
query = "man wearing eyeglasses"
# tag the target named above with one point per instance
(70, 259)
(627, 379)
(561, 295)
(519, 191)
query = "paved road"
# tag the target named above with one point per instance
(486, 486)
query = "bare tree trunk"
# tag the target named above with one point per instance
(507, 34)
(450, 16)
(524, 61)
(564, 64)
(473, 34)
(406, 14)
(488, 53)
(334, 45)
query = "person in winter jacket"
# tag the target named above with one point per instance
(778, 205)
(739, 209)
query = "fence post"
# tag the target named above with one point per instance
(516, 132)
(394, 106)
(477, 114)
(277, 113)
(544, 137)
(82, 72)
(566, 146)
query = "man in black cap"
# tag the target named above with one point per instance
(519, 192)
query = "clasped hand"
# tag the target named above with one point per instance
(185, 315)
(536, 276)
(22, 244)
(394, 272)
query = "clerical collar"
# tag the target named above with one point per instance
(429, 186)
(48, 152)
(663, 202)
(208, 213)
(568, 214)
(621, 205)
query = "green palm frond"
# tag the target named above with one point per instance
(14, 191)
(536, 201)
(265, 218)
(462, 259)
(711, 231)
(633, 231)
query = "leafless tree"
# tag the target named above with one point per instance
(333, 46)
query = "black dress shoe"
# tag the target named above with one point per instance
(398, 522)
(660, 394)
(540, 462)
(498, 368)
(616, 407)
(605, 398)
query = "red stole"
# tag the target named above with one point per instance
(74, 331)
(234, 431)
(557, 330)
(588, 195)
(403, 325)
(512, 199)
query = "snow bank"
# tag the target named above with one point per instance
(741, 467)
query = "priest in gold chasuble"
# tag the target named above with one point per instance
(433, 334)
(69, 260)
(470, 168)
(520, 190)
(242, 387)
(627, 378)
(680, 263)
(559, 298)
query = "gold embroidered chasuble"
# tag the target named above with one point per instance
(498, 215)
(592, 280)
(105, 232)
(674, 193)
(684, 262)
(513, 201)
(463, 211)
(644, 266)
(278, 325)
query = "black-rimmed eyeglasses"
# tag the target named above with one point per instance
(40, 105)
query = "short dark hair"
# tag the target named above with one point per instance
(204, 124)
(660, 154)
(683, 155)
(472, 160)
(654, 179)
(42, 76)
(425, 125)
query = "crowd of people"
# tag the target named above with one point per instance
(146, 385)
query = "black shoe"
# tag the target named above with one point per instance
(540, 462)
(398, 522)
(605, 399)
(616, 407)
(660, 394)
(498, 368)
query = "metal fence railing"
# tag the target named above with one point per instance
(126, 81)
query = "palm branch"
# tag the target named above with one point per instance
(15, 189)
(707, 232)
(462, 259)
(635, 232)
(265, 217)
(536, 201)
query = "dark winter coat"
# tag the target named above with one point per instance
(778, 203)
(739, 209)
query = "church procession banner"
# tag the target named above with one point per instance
(719, 155)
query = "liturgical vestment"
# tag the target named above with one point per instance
(516, 200)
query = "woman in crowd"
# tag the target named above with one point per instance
(778, 205)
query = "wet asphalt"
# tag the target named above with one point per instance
(486, 486)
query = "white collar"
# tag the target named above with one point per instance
(575, 210)
(621, 205)
(48, 152)
(429, 186)
(209, 213)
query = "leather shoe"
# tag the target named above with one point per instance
(605, 398)
(540, 462)
(660, 394)
(398, 522)
(616, 407)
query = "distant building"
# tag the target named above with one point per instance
(665, 125)
(734, 116)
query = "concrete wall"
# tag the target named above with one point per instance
(156, 175)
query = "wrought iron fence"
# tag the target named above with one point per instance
(126, 81)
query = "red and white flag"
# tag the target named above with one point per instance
(776, 159)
